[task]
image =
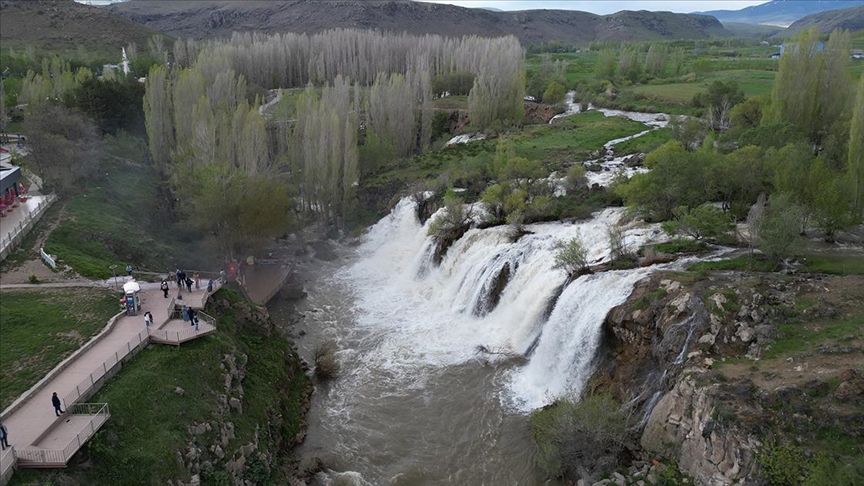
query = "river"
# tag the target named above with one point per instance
(420, 399)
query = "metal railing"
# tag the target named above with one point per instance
(8, 460)
(20, 230)
(99, 414)
(178, 337)
(87, 383)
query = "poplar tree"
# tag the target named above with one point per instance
(159, 115)
(855, 164)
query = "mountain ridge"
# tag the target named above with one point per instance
(825, 22)
(781, 12)
(218, 18)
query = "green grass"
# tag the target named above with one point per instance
(680, 245)
(451, 103)
(834, 264)
(574, 138)
(119, 218)
(139, 444)
(795, 337)
(741, 263)
(646, 143)
(42, 327)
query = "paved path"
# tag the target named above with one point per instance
(28, 423)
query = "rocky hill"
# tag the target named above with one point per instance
(216, 18)
(60, 25)
(849, 18)
(781, 12)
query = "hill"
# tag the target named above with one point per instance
(64, 25)
(849, 18)
(208, 19)
(781, 12)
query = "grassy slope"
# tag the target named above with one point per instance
(42, 327)
(572, 139)
(119, 219)
(139, 444)
(67, 28)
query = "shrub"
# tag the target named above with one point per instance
(782, 465)
(327, 364)
(571, 255)
(584, 437)
(704, 221)
(617, 247)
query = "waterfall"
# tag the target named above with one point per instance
(561, 364)
(427, 317)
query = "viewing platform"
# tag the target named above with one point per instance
(40, 438)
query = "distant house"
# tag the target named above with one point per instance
(783, 47)
(857, 54)
(776, 55)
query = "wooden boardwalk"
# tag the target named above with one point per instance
(40, 438)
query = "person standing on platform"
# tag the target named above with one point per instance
(164, 288)
(55, 400)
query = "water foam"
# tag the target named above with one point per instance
(424, 316)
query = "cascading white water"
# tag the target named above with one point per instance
(561, 364)
(428, 317)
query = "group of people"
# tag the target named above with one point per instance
(189, 315)
(184, 280)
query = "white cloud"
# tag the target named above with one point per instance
(606, 7)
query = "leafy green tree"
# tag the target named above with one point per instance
(114, 105)
(748, 113)
(688, 132)
(605, 66)
(775, 231)
(718, 102)
(554, 93)
(703, 221)
(831, 201)
(855, 163)
(812, 85)
(580, 438)
(655, 61)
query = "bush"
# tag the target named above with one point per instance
(327, 364)
(571, 256)
(704, 221)
(582, 437)
(782, 465)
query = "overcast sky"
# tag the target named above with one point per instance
(608, 6)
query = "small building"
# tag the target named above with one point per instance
(776, 55)
(857, 54)
(9, 177)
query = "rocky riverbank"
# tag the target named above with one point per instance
(720, 372)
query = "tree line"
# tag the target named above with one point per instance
(208, 132)
(801, 147)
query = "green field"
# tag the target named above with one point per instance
(42, 327)
(572, 138)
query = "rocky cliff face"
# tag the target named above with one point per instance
(661, 352)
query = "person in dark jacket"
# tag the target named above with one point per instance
(164, 288)
(189, 284)
(55, 400)
(192, 316)
(4, 437)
